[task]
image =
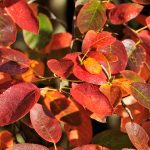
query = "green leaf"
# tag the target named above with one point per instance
(92, 16)
(141, 92)
(113, 139)
(39, 41)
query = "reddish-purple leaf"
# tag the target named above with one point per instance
(124, 13)
(92, 16)
(92, 98)
(22, 15)
(138, 136)
(28, 146)
(89, 147)
(145, 2)
(145, 39)
(60, 41)
(45, 124)
(97, 40)
(81, 134)
(7, 27)
(12, 61)
(81, 73)
(17, 101)
(141, 92)
(62, 67)
(136, 59)
(116, 55)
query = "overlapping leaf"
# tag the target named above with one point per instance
(60, 41)
(12, 61)
(148, 21)
(62, 67)
(89, 147)
(22, 15)
(138, 136)
(141, 91)
(37, 42)
(92, 98)
(17, 101)
(97, 40)
(145, 39)
(116, 55)
(94, 15)
(81, 73)
(81, 134)
(64, 109)
(124, 13)
(7, 26)
(28, 146)
(145, 2)
(45, 124)
(6, 139)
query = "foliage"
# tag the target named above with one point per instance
(53, 89)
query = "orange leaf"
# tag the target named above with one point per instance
(92, 66)
(6, 140)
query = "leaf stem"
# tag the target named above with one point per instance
(139, 30)
(55, 147)
(127, 110)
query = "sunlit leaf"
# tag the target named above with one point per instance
(89, 147)
(22, 15)
(81, 134)
(97, 40)
(17, 101)
(92, 98)
(92, 66)
(64, 109)
(94, 15)
(62, 68)
(28, 146)
(141, 91)
(124, 13)
(116, 49)
(138, 136)
(6, 139)
(45, 124)
(37, 42)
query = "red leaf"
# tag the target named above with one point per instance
(124, 13)
(22, 15)
(148, 21)
(109, 5)
(28, 146)
(7, 27)
(81, 134)
(92, 98)
(138, 136)
(62, 68)
(145, 39)
(145, 2)
(116, 49)
(17, 101)
(80, 72)
(45, 124)
(60, 41)
(97, 40)
(89, 147)
(12, 61)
